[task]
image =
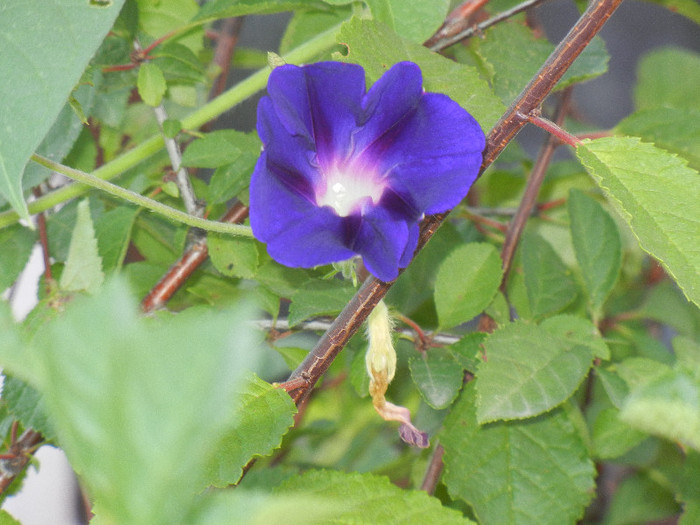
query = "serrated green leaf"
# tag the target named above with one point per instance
(519, 473)
(414, 20)
(119, 431)
(614, 385)
(16, 242)
(83, 270)
(438, 377)
(467, 350)
(219, 148)
(513, 56)
(65, 130)
(528, 371)
(466, 283)
(667, 77)
(233, 256)
(225, 8)
(46, 74)
(371, 500)
(579, 331)
(263, 415)
(319, 298)
(673, 129)
(26, 404)
(113, 231)
(658, 195)
(376, 48)
(668, 406)
(548, 281)
(611, 437)
(151, 84)
(178, 64)
(597, 245)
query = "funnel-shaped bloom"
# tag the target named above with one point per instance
(346, 171)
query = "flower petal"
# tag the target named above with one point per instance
(381, 240)
(297, 232)
(393, 97)
(289, 157)
(434, 156)
(321, 102)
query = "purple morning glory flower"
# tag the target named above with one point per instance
(346, 171)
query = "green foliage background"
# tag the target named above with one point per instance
(570, 391)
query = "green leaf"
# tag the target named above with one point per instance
(415, 20)
(27, 405)
(83, 270)
(65, 131)
(219, 148)
(370, 499)
(658, 196)
(42, 75)
(640, 499)
(579, 331)
(668, 406)
(466, 283)
(226, 8)
(19, 242)
(597, 245)
(302, 27)
(151, 84)
(157, 19)
(519, 473)
(668, 77)
(528, 371)
(514, 55)
(438, 377)
(119, 431)
(467, 351)
(674, 129)
(319, 298)
(233, 256)
(113, 230)
(548, 281)
(7, 519)
(263, 416)
(611, 437)
(376, 48)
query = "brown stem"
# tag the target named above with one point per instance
(439, 42)
(434, 471)
(225, 47)
(44, 241)
(373, 290)
(186, 265)
(528, 202)
(17, 457)
(555, 129)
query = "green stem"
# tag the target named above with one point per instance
(209, 111)
(145, 202)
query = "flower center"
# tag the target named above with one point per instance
(344, 191)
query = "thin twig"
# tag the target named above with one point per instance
(182, 179)
(373, 290)
(532, 189)
(223, 55)
(444, 42)
(456, 21)
(18, 455)
(44, 242)
(434, 470)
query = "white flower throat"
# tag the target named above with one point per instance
(344, 191)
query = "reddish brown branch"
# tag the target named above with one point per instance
(14, 461)
(434, 471)
(44, 241)
(529, 200)
(227, 38)
(373, 290)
